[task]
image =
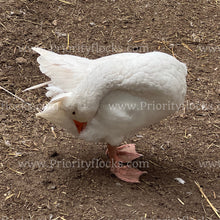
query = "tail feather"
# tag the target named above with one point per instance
(65, 71)
(37, 86)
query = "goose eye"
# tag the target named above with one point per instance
(73, 113)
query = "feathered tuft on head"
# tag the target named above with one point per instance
(56, 112)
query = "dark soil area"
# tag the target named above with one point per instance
(43, 173)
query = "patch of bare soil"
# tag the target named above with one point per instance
(42, 176)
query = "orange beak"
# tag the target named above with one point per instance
(80, 125)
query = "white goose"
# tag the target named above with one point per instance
(107, 98)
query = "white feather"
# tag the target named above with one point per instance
(65, 71)
(37, 86)
(180, 180)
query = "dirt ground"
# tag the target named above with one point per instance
(38, 178)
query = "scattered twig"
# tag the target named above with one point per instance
(213, 145)
(164, 43)
(18, 172)
(204, 195)
(8, 197)
(52, 129)
(68, 41)
(173, 52)
(32, 22)
(180, 201)
(187, 135)
(66, 2)
(203, 208)
(214, 194)
(154, 163)
(138, 41)
(216, 126)
(187, 47)
(12, 94)
(202, 56)
(189, 72)
(3, 26)
(19, 193)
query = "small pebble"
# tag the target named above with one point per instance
(118, 184)
(92, 24)
(80, 19)
(51, 187)
(139, 136)
(7, 143)
(21, 60)
(54, 22)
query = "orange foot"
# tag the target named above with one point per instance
(124, 154)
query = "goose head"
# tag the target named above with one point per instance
(81, 108)
(66, 108)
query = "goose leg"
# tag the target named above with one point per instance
(125, 153)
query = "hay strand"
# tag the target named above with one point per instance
(204, 195)
(12, 94)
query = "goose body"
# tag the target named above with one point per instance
(111, 96)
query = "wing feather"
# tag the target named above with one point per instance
(65, 71)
